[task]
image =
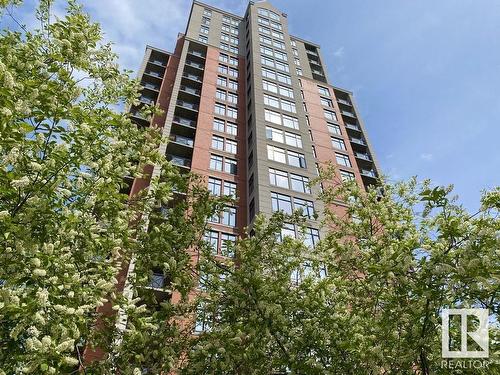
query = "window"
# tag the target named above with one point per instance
(229, 189)
(266, 50)
(299, 183)
(295, 52)
(276, 25)
(233, 60)
(222, 69)
(323, 91)
(272, 116)
(267, 61)
(296, 159)
(232, 112)
(343, 160)
(290, 122)
(227, 243)
(231, 128)
(207, 12)
(224, 46)
(274, 16)
(264, 30)
(226, 27)
(223, 57)
(278, 178)
(268, 73)
(203, 39)
(224, 37)
(214, 186)
(233, 85)
(288, 230)
(281, 202)
(314, 151)
(269, 86)
(216, 162)
(276, 154)
(280, 55)
(299, 71)
(230, 166)
(234, 40)
(311, 237)
(232, 98)
(283, 78)
(338, 144)
(292, 139)
(205, 21)
(218, 125)
(271, 101)
(330, 115)
(293, 43)
(220, 109)
(307, 207)
(220, 94)
(326, 102)
(212, 237)
(204, 30)
(263, 21)
(274, 134)
(229, 216)
(334, 129)
(234, 31)
(296, 61)
(285, 91)
(233, 49)
(278, 35)
(282, 66)
(346, 176)
(233, 72)
(221, 81)
(266, 40)
(231, 146)
(288, 106)
(250, 184)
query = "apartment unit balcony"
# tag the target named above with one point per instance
(192, 77)
(147, 100)
(189, 93)
(195, 65)
(344, 102)
(353, 127)
(370, 173)
(358, 141)
(184, 121)
(179, 161)
(311, 52)
(362, 156)
(139, 119)
(187, 105)
(157, 62)
(153, 72)
(150, 86)
(347, 113)
(182, 140)
(197, 54)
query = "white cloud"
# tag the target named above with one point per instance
(339, 52)
(426, 156)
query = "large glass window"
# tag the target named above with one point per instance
(230, 166)
(343, 160)
(229, 216)
(338, 144)
(272, 116)
(227, 243)
(307, 207)
(231, 128)
(278, 178)
(334, 129)
(293, 140)
(299, 183)
(281, 202)
(276, 154)
(296, 159)
(323, 91)
(216, 162)
(269, 86)
(214, 186)
(311, 237)
(218, 125)
(217, 142)
(230, 189)
(212, 237)
(271, 101)
(330, 115)
(290, 122)
(231, 146)
(274, 134)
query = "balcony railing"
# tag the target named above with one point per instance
(138, 115)
(184, 121)
(311, 52)
(157, 62)
(369, 173)
(363, 156)
(195, 65)
(192, 76)
(178, 160)
(150, 86)
(187, 105)
(347, 113)
(182, 140)
(358, 141)
(146, 100)
(342, 101)
(190, 90)
(153, 73)
(353, 127)
(196, 53)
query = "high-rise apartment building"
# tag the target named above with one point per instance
(250, 107)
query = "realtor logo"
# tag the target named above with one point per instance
(479, 335)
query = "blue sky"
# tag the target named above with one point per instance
(425, 74)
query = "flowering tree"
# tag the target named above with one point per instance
(366, 300)
(66, 231)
